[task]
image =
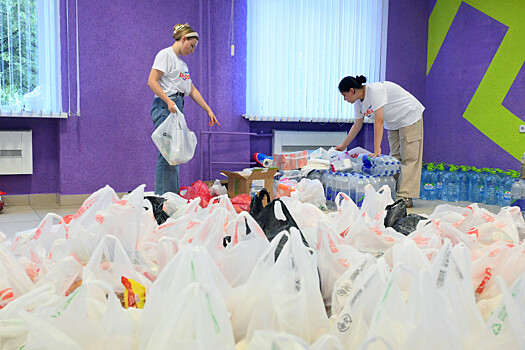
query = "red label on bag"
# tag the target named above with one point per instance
(483, 284)
(343, 262)
(344, 233)
(6, 296)
(473, 231)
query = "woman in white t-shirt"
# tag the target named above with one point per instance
(170, 80)
(393, 108)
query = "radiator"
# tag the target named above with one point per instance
(16, 152)
(292, 141)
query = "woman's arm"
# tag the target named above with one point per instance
(354, 130)
(153, 84)
(379, 122)
(196, 96)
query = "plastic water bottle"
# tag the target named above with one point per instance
(253, 191)
(429, 180)
(491, 187)
(506, 187)
(440, 173)
(476, 186)
(340, 186)
(330, 190)
(515, 193)
(352, 185)
(451, 185)
(463, 183)
(522, 196)
(360, 191)
(391, 182)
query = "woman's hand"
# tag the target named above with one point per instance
(171, 107)
(213, 119)
(377, 152)
(340, 147)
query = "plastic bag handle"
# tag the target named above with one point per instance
(264, 192)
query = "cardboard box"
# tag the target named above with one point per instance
(239, 184)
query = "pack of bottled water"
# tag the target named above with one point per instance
(381, 165)
(466, 183)
(351, 184)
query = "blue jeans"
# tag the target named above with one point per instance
(166, 175)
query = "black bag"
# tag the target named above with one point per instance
(270, 224)
(408, 224)
(157, 204)
(256, 204)
(395, 212)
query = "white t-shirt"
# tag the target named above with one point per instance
(400, 108)
(176, 77)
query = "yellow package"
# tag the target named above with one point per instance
(134, 293)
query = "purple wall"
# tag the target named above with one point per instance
(110, 142)
(462, 61)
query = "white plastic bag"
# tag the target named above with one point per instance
(283, 295)
(90, 318)
(194, 318)
(174, 140)
(217, 189)
(311, 191)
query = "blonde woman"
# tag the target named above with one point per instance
(170, 80)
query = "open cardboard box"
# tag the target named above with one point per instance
(239, 183)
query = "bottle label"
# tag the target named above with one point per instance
(439, 185)
(481, 188)
(506, 194)
(428, 186)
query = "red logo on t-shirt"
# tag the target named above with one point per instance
(185, 76)
(369, 111)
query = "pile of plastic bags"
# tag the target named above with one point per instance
(208, 278)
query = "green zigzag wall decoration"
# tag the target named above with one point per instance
(485, 111)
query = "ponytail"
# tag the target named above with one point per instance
(350, 82)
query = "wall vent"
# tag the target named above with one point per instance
(292, 141)
(16, 152)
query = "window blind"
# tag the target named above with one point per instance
(299, 50)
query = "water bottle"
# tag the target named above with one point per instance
(253, 191)
(515, 193)
(521, 200)
(491, 187)
(463, 183)
(429, 179)
(352, 185)
(324, 181)
(391, 182)
(506, 188)
(339, 185)
(451, 185)
(476, 186)
(360, 191)
(330, 190)
(346, 184)
(440, 173)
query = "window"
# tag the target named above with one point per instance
(298, 51)
(30, 80)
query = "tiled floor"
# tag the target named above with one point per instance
(16, 219)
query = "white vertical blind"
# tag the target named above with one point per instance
(299, 50)
(49, 56)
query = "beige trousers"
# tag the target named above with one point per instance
(406, 144)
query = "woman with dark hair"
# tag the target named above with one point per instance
(396, 110)
(170, 80)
